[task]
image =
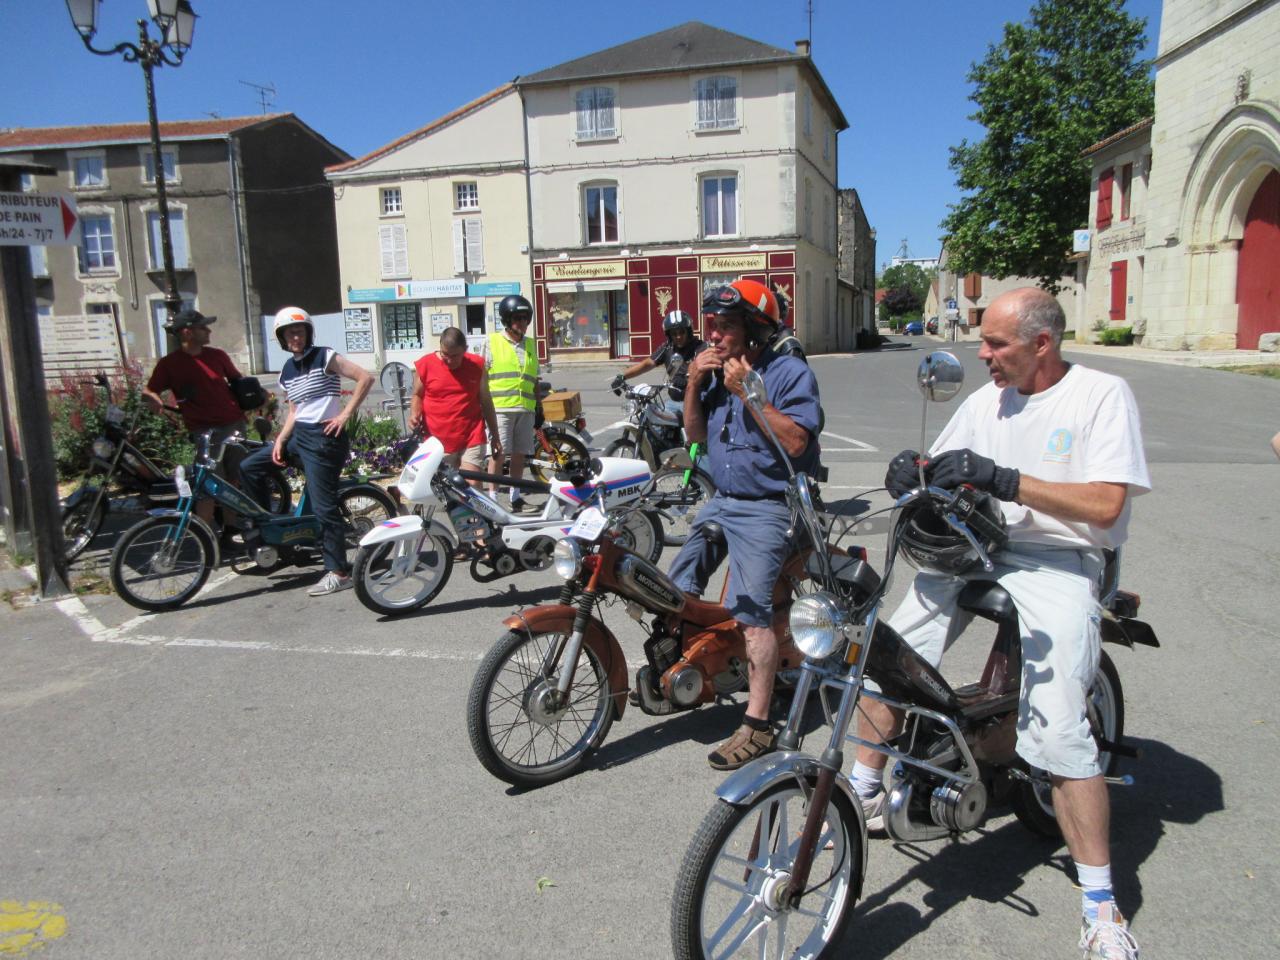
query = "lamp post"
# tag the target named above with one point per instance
(176, 22)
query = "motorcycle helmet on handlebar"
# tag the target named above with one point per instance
(753, 302)
(929, 543)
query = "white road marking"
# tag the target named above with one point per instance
(857, 445)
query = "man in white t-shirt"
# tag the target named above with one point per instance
(1060, 447)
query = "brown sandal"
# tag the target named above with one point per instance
(740, 749)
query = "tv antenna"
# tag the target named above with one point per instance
(809, 9)
(266, 93)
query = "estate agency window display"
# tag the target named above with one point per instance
(584, 319)
(401, 326)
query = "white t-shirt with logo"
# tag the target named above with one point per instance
(1083, 429)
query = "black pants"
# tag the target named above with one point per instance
(323, 458)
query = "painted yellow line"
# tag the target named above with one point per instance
(26, 927)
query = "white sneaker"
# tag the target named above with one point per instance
(873, 811)
(1108, 937)
(331, 582)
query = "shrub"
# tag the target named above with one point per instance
(378, 445)
(1116, 336)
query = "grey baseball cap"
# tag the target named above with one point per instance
(188, 318)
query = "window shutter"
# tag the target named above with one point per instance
(604, 112)
(475, 245)
(1119, 291)
(1106, 181)
(973, 286)
(155, 246)
(459, 247)
(39, 261)
(178, 237)
(394, 247)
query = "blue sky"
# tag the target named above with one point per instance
(363, 74)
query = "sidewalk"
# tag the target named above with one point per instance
(1179, 358)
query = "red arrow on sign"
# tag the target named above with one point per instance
(68, 219)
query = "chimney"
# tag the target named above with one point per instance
(802, 47)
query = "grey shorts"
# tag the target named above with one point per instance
(515, 430)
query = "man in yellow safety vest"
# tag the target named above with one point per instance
(511, 361)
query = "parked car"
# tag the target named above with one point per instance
(931, 325)
(914, 329)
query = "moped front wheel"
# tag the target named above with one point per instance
(731, 898)
(1033, 802)
(680, 503)
(523, 731)
(625, 448)
(81, 523)
(402, 575)
(156, 565)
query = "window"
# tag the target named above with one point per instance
(828, 224)
(393, 244)
(27, 182)
(158, 318)
(89, 171)
(601, 213)
(717, 99)
(401, 326)
(97, 248)
(826, 142)
(808, 115)
(466, 196)
(391, 201)
(167, 160)
(808, 209)
(1126, 190)
(177, 237)
(720, 206)
(39, 262)
(1106, 183)
(973, 286)
(468, 245)
(595, 114)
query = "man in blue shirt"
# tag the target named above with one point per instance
(750, 504)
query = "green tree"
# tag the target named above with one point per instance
(1055, 85)
(901, 301)
(910, 276)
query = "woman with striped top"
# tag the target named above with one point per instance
(314, 432)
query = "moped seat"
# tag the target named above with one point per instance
(987, 599)
(977, 702)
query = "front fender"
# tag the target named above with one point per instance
(558, 618)
(405, 527)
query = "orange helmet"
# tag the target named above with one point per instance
(751, 300)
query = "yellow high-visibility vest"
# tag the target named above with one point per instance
(510, 385)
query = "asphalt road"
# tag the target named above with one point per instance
(265, 774)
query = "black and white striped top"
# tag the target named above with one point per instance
(310, 387)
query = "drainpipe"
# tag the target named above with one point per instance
(233, 164)
(528, 200)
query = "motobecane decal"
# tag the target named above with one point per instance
(1058, 449)
(660, 590)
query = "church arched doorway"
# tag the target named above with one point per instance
(1258, 276)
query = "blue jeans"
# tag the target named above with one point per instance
(323, 458)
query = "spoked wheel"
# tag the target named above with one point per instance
(567, 452)
(402, 575)
(364, 507)
(683, 502)
(157, 566)
(522, 730)
(731, 893)
(642, 534)
(1033, 802)
(81, 524)
(622, 448)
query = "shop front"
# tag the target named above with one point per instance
(613, 309)
(404, 321)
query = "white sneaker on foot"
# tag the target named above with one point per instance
(1108, 937)
(331, 582)
(873, 811)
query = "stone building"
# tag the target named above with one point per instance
(972, 293)
(856, 270)
(251, 219)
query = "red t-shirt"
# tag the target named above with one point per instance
(451, 402)
(200, 384)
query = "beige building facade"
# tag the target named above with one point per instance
(972, 293)
(433, 231)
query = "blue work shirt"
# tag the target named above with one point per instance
(743, 461)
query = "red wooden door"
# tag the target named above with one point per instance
(1258, 276)
(1119, 289)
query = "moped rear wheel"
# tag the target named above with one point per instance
(402, 575)
(1033, 802)
(521, 730)
(544, 464)
(81, 523)
(154, 567)
(730, 900)
(678, 516)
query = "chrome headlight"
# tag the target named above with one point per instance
(103, 448)
(567, 558)
(816, 624)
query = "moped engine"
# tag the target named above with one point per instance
(683, 685)
(958, 806)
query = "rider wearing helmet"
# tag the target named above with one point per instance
(314, 432)
(675, 353)
(1060, 447)
(785, 340)
(511, 360)
(749, 506)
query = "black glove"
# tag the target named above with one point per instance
(903, 474)
(949, 470)
(617, 383)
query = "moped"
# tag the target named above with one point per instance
(777, 865)
(403, 564)
(162, 562)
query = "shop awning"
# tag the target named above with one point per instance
(581, 286)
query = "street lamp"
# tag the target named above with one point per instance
(176, 22)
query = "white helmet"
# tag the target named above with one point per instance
(287, 317)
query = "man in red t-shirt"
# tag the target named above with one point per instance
(196, 374)
(451, 401)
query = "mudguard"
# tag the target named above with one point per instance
(558, 618)
(404, 527)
